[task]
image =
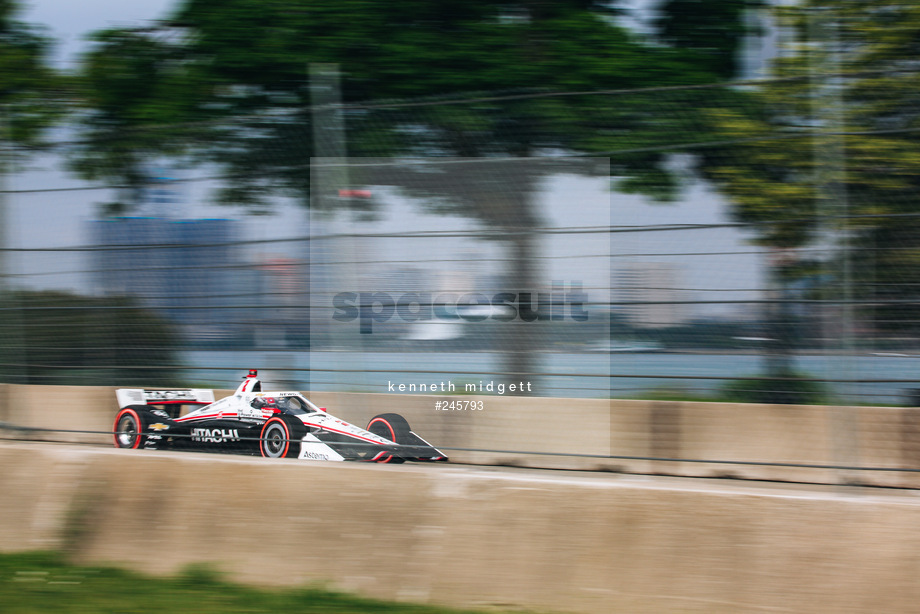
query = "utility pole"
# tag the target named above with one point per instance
(6, 161)
(333, 248)
(833, 204)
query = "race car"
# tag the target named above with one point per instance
(256, 422)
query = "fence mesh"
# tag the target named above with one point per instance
(690, 264)
(724, 242)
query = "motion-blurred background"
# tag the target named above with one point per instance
(727, 189)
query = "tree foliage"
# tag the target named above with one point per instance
(52, 337)
(139, 99)
(30, 90)
(837, 155)
(713, 31)
(250, 60)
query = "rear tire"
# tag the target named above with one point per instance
(130, 427)
(393, 427)
(281, 437)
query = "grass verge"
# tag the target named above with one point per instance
(36, 582)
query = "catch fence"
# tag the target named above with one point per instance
(688, 255)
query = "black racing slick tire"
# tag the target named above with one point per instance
(395, 428)
(130, 427)
(281, 437)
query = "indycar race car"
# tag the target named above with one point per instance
(252, 421)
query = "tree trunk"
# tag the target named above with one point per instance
(519, 356)
(780, 329)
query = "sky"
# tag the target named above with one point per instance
(69, 21)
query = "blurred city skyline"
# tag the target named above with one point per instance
(35, 200)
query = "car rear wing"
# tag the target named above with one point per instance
(142, 396)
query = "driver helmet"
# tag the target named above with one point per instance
(265, 402)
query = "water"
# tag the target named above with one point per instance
(591, 375)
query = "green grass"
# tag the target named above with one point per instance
(40, 582)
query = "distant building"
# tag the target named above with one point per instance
(647, 295)
(188, 270)
(404, 279)
(281, 301)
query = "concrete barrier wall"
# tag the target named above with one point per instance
(595, 543)
(770, 442)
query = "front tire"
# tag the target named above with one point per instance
(280, 438)
(393, 427)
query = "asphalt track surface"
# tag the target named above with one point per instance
(547, 477)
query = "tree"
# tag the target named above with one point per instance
(253, 59)
(30, 90)
(881, 153)
(712, 30)
(51, 337)
(139, 99)
(825, 157)
(257, 57)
